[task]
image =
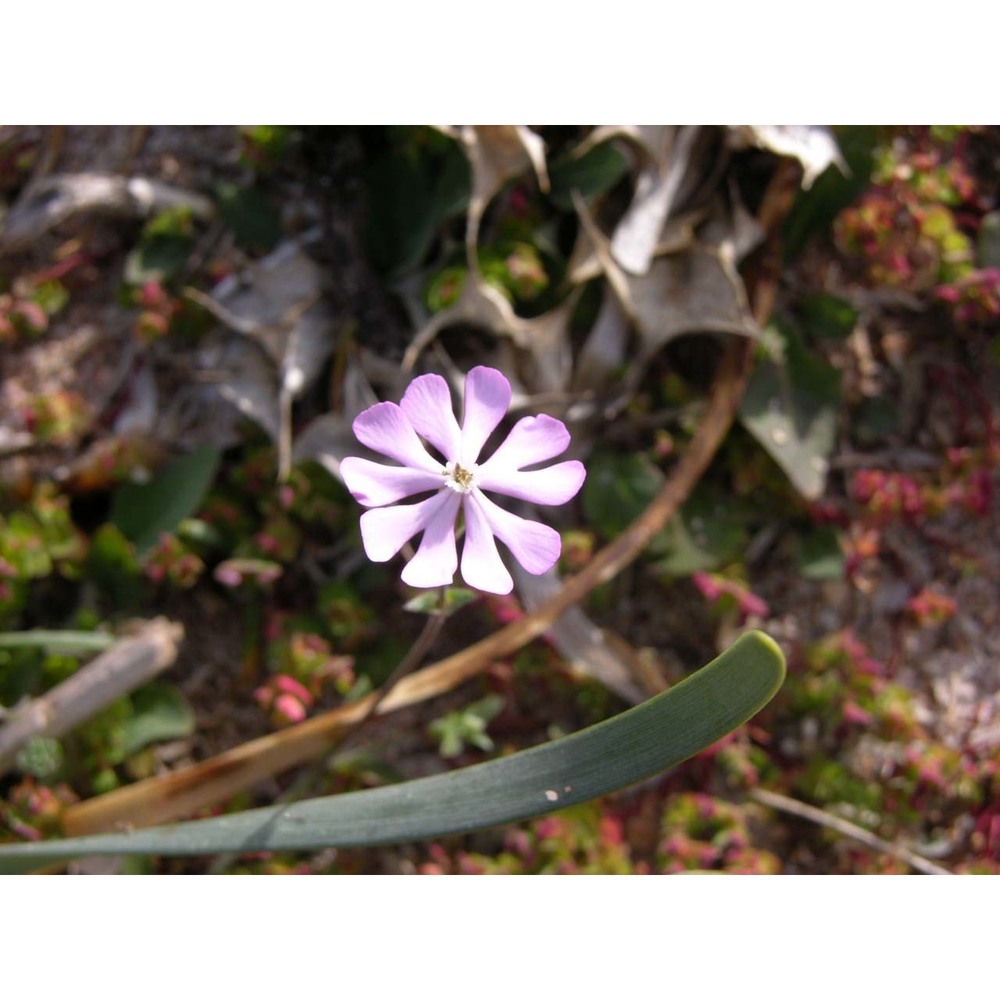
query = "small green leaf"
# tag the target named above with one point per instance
(467, 725)
(619, 487)
(112, 564)
(411, 191)
(791, 407)
(988, 243)
(874, 419)
(828, 317)
(819, 556)
(816, 208)
(157, 258)
(597, 171)
(41, 757)
(24, 546)
(143, 512)
(51, 296)
(163, 250)
(266, 145)
(629, 748)
(250, 214)
(708, 533)
(159, 713)
(430, 602)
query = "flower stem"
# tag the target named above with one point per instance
(413, 658)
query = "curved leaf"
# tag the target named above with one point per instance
(144, 511)
(635, 745)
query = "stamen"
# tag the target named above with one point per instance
(459, 479)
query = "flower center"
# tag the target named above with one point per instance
(459, 479)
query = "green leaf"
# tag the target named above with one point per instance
(41, 757)
(467, 725)
(24, 546)
(988, 243)
(250, 214)
(791, 406)
(410, 193)
(819, 556)
(143, 512)
(112, 565)
(430, 602)
(597, 171)
(51, 296)
(157, 258)
(708, 533)
(828, 317)
(624, 750)
(163, 249)
(160, 713)
(619, 487)
(874, 419)
(816, 208)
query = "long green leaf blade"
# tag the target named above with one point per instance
(635, 745)
(63, 640)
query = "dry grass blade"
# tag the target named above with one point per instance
(846, 829)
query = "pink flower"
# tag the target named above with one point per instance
(458, 482)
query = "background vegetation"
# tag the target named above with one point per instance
(190, 318)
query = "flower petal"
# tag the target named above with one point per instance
(427, 404)
(555, 485)
(482, 566)
(531, 440)
(535, 546)
(436, 560)
(386, 530)
(385, 428)
(373, 485)
(487, 397)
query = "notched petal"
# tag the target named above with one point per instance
(535, 546)
(487, 398)
(386, 429)
(427, 403)
(385, 530)
(374, 485)
(531, 440)
(555, 485)
(482, 566)
(436, 560)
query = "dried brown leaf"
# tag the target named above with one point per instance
(695, 292)
(812, 145)
(640, 230)
(497, 154)
(698, 290)
(480, 305)
(57, 198)
(278, 303)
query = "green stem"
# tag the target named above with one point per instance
(413, 658)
